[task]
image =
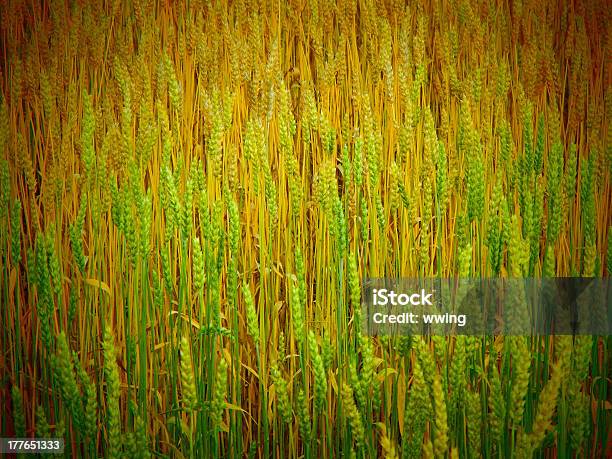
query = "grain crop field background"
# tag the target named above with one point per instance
(192, 192)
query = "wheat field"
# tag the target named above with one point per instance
(192, 193)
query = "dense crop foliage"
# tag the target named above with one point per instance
(191, 194)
